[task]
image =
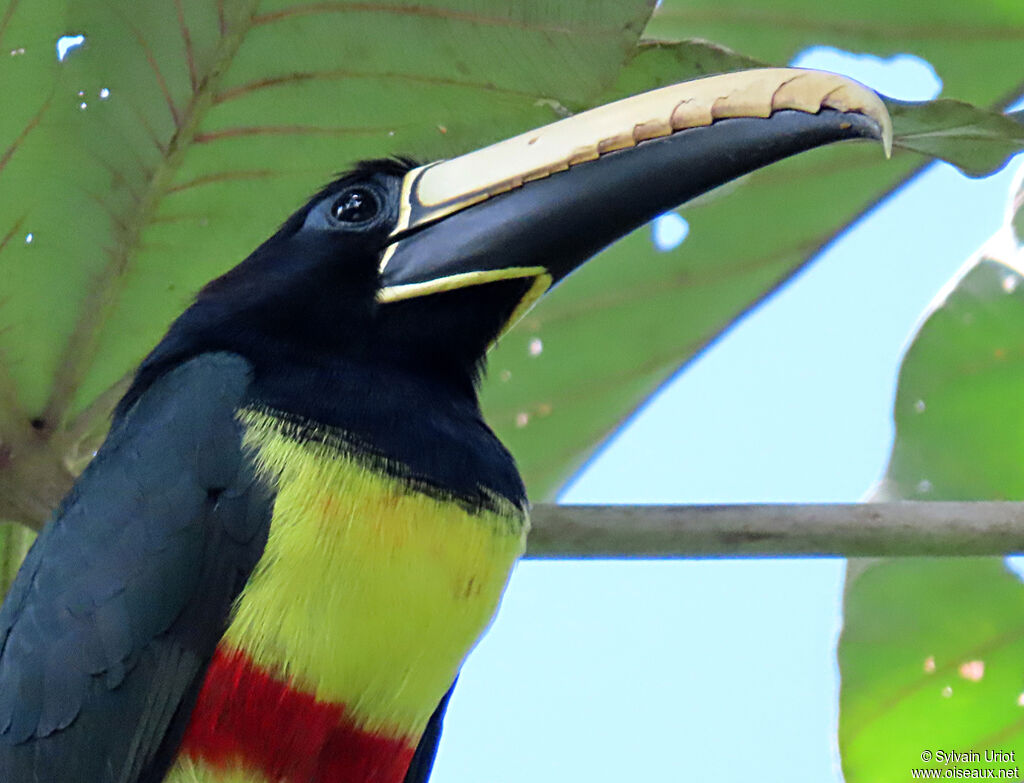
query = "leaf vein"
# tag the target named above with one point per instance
(101, 296)
(287, 130)
(224, 176)
(29, 127)
(341, 73)
(15, 229)
(447, 14)
(157, 73)
(186, 38)
(6, 19)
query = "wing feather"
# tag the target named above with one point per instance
(114, 615)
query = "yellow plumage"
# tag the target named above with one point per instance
(369, 593)
(185, 770)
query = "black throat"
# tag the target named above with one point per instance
(397, 384)
(404, 425)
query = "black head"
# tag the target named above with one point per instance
(310, 295)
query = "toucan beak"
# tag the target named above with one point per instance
(540, 204)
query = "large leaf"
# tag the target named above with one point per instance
(977, 141)
(181, 133)
(931, 650)
(960, 429)
(931, 661)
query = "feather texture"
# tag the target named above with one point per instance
(354, 623)
(122, 600)
(368, 593)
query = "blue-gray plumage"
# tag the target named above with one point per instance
(123, 598)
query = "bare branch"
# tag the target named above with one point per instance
(840, 530)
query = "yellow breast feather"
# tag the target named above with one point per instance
(370, 593)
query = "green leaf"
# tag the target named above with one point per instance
(976, 141)
(661, 63)
(960, 433)
(910, 625)
(180, 134)
(968, 44)
(264, 105)
(930, 656)
(15, 541)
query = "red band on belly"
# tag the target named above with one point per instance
(245, 717)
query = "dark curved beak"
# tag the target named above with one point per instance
(540, 204)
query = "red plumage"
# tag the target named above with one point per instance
(245, 716)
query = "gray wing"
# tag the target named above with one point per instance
(109, 626)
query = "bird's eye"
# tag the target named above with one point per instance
(356, 205)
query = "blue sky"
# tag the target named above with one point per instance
(724, 670)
